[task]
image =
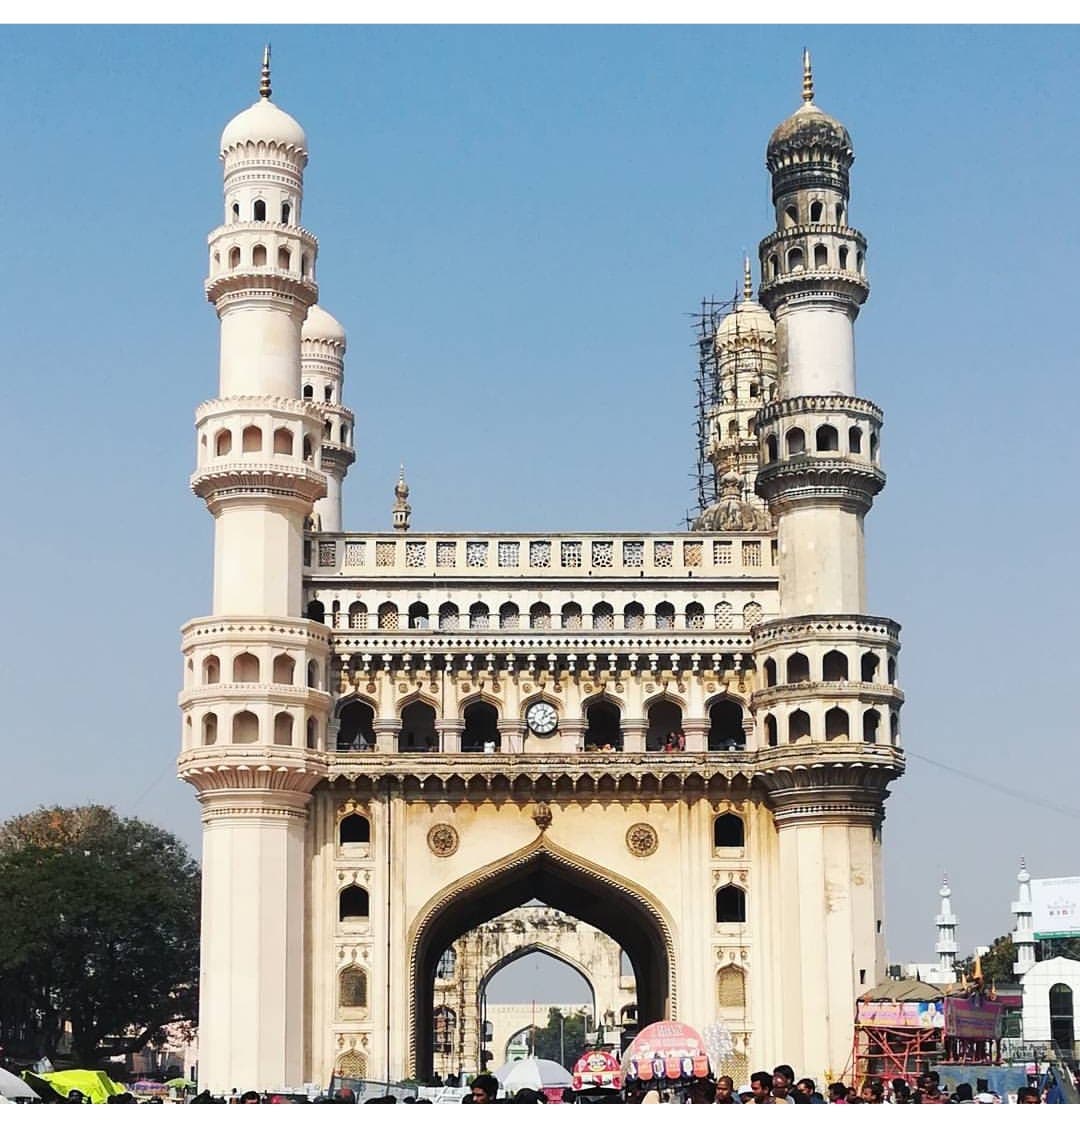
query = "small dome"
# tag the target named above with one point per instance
(809, 126)
(319, 325)
(746, 319)
(264, 122)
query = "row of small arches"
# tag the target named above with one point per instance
(796, 260)
(246, 729)
(328, 393)
(826, 440)
(816, 213)
(259, 211)
(251, 442)
(479, 616)
(247, 669)
(834, 667)
(259, 257)
(837, 727)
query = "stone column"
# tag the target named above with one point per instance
(634, 731)
(450, 735)
(513, 734)
(697, 735)
(572, 733)
(386, 735)
(251, 990)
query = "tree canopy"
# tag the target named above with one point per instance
(573, 1038)
(100, 928)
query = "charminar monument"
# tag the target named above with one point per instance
(682, 739)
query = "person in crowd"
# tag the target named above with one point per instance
(809, 1091)
(746, 1093)
(1027, 1095)
(528, 1095)
(761, 1087)
(725, 1091)
(873, 1091)
(838, 1093)
(783, 1084)
(929, 1089)
(252, 1097)
(701, 1091)
(344, 1095)
(963, 1094)
(901, 1092)
(484, 1088)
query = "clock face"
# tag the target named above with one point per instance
(542, 718)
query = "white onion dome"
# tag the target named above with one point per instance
(320, 327)
(748, 318)
(264, 123)
(809, 130)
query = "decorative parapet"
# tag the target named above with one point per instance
(868, 692)
(826, 627)
(284, 479)
(818, 404)
(247, 628)
(257, 404)
(813, 476)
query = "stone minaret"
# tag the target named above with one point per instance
(401, 513)
(254, 704)
(322, 366)
(946, 933)
(1024, 935)
(826, 701)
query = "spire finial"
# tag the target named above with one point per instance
(264, 80)
(748, 280)
(807, 77)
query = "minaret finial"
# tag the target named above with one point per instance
(264, 80)
(747, 281)
(807, 77)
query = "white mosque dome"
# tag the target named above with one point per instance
(319, 325)
(748, 318)
(264, 122)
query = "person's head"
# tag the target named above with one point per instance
(901, 1091)
(807, 1086)
(342, 1095)
(701, 1091)
(528, 1095)
(761, 1086)
(253, 1096)
(929, 1081)
(873, 1091)
(484, 1088)
(783, 1075)
(964, 1093)
(725, 1089)
(746, 1093)
(1027, 1095)
(837, 1093)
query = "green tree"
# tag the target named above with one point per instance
(100, 928)
(996, 965)
(573, 1033)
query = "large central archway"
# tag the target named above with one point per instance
(562, 880)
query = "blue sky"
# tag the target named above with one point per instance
(514, 223)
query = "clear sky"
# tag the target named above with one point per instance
(513, 225)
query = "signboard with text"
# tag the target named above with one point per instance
(1055, 907)
(901, 1014)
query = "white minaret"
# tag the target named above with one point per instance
(254, 700)
(402, 510)
(1024, 935)
(946, 929)
(322, 367)
(825, 696)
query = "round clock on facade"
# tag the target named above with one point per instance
(542, 718)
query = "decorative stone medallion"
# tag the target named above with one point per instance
(442, 839)
(641, 839)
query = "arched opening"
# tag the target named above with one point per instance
(351, 1065)
(665, 616)
(258, 255)
(695, 615)
(357, 615)
(839, 214)
(245, 668)
(799, 727)
(854, 440)
(729, 831)
(795, 441)
(211, 670)
(556, 879)
(234, 257)
(309, 450)
(305, 266)
(236, 212)
(837, 725)
(284, 669)
(314, 680)
(821, 256)
(209, 729)
(353, 905)
(891, 667)
(843, 256)
(443, 1030)
(223, 443)
(730, 988)
(258, 211)
(352, 988)
(769, 669)
(388, 617)
(479, 616)
(751, 614)
(309, 391)
(356, 726)
(251, 440)
(772, 450)
(603, 616)
(286, 212)
(770, 731)
(284, 258)
(774, 266)
(1062, 1031)
(418, 615)
(316, 611)
(283, 729)
(481, 727)
(448, 616)
(871, 722)
(447, 966)
(509, 616)
(791, 216)
(798, 668)
(665, 725)
(354, 830)
(834, 666)
(894, 727)
(816, 209)
(795, 259)
(726, 726)
(827, 439)
(874, 448)
(418, 728)
(860, 262)
(283, 441)
(730, 904)
(328, 393)
(539, 616)
(634, 616)
(312, 742)
(571, 616)
(603, 725)
(868, 667)
(723, 615)
(245, 727)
